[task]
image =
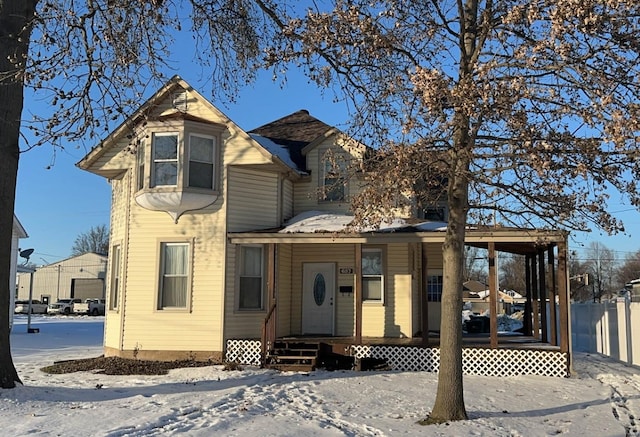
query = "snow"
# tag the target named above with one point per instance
(600, 400)
(277, 150)
(321, 221)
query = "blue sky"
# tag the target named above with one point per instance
(55, 205)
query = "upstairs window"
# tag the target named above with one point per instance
(372, 275)
(333, 177)
(201, 161)
(165, 159)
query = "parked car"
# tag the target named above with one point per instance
(92, 307)
(63, 306)
(37, 307)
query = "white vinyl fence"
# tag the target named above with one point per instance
(609, 328)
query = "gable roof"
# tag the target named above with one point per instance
(175, 83)
(294, 132)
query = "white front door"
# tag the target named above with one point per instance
(318, 292)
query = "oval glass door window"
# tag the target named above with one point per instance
(319, 289)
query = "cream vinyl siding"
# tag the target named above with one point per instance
(287, 199)
(148, 328)
(283, 282)
(120, 198)
(240, 324)
(393, 319)
(116, 157)
(141, 231)
(306, 191)
(252, 200)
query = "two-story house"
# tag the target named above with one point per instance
(220, 235)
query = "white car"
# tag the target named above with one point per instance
(63, 306)
(37, 307)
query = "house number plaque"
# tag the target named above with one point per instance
(346, 270)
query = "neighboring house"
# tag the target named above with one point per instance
(477, 295)
(222, 237)
(81, 276)
(17, 232)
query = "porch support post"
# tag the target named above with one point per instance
(527, 304)
(493, 295)
(424, 301)
(543, 296)
(358, 293)
(563, 298)
(552, 297)
(535, 298)
(271, 287)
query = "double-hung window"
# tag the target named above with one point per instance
(115, 278)
(174, 276)
(201, 161)
(372, 275)
(251, 278)
(333, 177)
(165, 159)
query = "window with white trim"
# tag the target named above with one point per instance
(165, 159)
(333, 181)
(114, 294)
(434, 287)
(201, 161)
(251, 278)
(141, 157)
(372, 275)
(174, 275)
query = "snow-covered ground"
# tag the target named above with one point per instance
(603, 399)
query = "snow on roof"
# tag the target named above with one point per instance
(277, 150)
(321, 221)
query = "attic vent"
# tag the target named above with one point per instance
(179, 101)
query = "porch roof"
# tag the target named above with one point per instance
(326, 228)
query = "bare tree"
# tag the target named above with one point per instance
(629, 269)
(512, 273)
(601, 265)
(92, 62)
(475, 264)
(95, 240)
(528, 110)
(579, 284)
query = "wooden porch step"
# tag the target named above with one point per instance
(292, 367)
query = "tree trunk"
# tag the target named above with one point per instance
(15, 29)
(449, 403)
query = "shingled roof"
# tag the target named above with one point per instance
(294, 132)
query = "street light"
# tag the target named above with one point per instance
(26, 254)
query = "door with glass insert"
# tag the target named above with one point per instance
(319, 286)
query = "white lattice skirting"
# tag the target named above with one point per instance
(475, 361)
(244, 352)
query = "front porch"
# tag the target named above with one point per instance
(515, 355)
(400, 326)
